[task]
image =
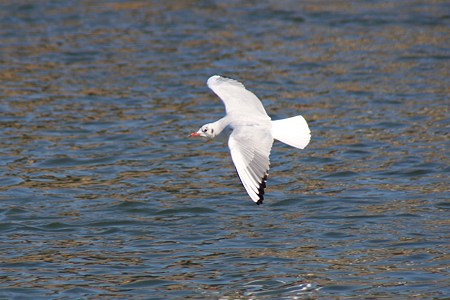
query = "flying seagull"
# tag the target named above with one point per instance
(253, 133)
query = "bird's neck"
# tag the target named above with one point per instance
(220, 125)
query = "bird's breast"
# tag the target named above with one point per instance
(245, 120)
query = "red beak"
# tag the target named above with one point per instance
(194, 134)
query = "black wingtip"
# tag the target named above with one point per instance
(261, 188)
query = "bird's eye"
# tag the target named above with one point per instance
(205, 129)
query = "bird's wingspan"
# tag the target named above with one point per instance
(250, 149)
(235, 96)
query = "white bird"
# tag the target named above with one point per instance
(253, 133)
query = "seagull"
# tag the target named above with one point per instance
(253, 133)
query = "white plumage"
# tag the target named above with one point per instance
(253, 133)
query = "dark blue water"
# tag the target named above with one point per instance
(103, 196)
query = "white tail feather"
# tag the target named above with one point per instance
(292, 131)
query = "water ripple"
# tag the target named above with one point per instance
(104, 196)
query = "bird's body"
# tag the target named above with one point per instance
(253, 133)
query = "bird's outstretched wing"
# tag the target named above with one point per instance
(236, 97)
(250, 149)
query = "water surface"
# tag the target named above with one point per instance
(103, 196)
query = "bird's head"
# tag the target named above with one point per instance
(205, 131)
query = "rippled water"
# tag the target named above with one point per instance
(103, 196)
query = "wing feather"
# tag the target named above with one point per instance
(250, 149)
(236, 98)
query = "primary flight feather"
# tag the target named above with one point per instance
(253, 133)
